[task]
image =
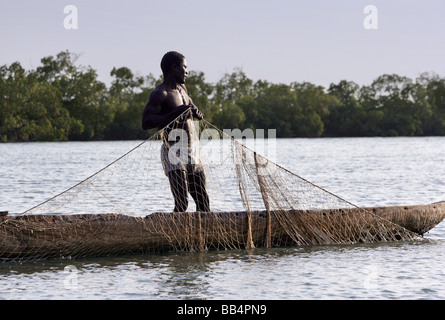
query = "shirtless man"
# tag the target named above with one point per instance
(168, 101)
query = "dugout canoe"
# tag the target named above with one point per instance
(33, 237)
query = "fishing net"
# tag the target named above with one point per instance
(190, 187)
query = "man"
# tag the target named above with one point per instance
(167, 102)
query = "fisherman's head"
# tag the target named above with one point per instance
(173, 64)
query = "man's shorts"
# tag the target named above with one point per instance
(171, 160)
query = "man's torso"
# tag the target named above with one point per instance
(180, 136)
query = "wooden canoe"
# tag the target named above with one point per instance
(32, 237)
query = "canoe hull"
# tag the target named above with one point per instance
(32, 237)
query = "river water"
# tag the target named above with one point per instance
(364, 171)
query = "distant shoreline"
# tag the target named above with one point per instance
(59, 101)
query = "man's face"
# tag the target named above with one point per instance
(181, 72)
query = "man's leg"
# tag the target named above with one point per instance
(198, 191)
(178, 186)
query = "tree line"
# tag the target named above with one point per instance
(60, 100)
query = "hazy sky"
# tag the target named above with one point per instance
(320, 41)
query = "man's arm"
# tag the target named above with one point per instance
(195, 111)
(152, 116)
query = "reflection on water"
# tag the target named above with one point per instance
(378, 271)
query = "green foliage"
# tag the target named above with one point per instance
(62, 101)
(32, 110)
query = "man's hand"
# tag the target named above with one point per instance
(196, 113)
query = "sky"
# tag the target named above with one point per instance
(281, 41)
